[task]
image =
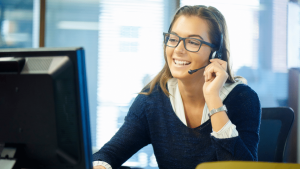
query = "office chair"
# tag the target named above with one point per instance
(275, 127)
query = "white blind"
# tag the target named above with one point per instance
(130, 53)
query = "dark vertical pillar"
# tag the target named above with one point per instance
(293, 102)
(42, 23)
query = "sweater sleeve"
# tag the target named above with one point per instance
(131, 137)
(244, 111)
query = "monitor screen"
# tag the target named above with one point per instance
(44, 108)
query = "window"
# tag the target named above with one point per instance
(257, 44)
(124, 49)
(130, 54)
(17, 24)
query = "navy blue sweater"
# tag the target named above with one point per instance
(151, 120)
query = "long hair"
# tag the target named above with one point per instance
(209, 14)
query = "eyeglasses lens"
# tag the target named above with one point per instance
(191, 44)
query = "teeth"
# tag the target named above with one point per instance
(179, 62)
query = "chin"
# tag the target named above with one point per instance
(180, 75)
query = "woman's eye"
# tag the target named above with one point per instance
(172, 40)
(193, 42)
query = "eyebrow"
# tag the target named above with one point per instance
(189, 35)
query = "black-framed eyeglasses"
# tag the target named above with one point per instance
(190, 44)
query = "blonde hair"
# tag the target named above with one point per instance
(214, 24)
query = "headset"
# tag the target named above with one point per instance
(216, 54)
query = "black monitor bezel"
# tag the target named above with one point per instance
(76, 55)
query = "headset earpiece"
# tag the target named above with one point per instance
(218, 54)
(214, 55)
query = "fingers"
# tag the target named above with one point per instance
(220, 62)
(209, 73)
(215, 68)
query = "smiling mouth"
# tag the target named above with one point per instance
(180, 62)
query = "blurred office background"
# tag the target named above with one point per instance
(124, 49)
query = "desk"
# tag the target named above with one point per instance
(246, 165)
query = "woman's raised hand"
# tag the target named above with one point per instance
(215, 75)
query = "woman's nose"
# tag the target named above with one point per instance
(180, 47)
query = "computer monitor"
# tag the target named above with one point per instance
(44, 108)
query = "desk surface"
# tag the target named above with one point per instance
(246, 165)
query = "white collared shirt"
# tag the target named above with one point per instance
(228, 130)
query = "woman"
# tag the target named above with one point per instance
(184, 115)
